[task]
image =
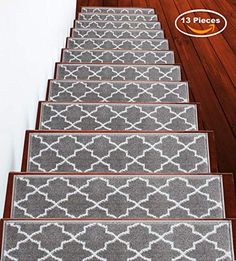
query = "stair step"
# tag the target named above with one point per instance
(117, 72)
(118, 240)
(118, 56)
(117, 116)
(97, 91)
(117, 17)
(77, 151)
(110, 10)
(118, 44)
(117, 196)
(117, 34)
(117, 25)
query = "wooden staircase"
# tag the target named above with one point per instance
(118, 167)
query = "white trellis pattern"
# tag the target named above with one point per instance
(120, 196)
(117, 17)
(85, 91)
(147, 11)
(118, 152)
(118, 56)
(117, 25)
(117, 72)
(96, 116)
(117, 34)
(118, 44)
(114, 240)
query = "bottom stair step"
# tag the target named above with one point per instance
(117, 196)
(117, 240)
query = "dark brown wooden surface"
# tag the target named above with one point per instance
(229, 196)
(233, 222)
(1, 236)
(9, 195)
(207, 63)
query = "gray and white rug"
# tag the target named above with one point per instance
(117, 116)
(117, 25)
(117, 72)
(118, 44)
(118, 152)
(118, 56)
(117, 34)
(117, 196)
(117, 17)
(113, 91)
(117, 240)
(117, 10)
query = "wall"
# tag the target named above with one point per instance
(32, 34)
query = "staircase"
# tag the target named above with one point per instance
(118, 167)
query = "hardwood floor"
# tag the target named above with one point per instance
(207, 63)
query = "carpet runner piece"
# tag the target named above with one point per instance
(117, 240)
(117, 91)
(117, 168)
(117, 116)
(118, 56)
(118, 152)
(109, 10)
(113, 196)
(117, 72)
(117, 34)
(117, 25)
(117, 17)
(118, 44)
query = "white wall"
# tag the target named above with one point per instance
(32, 33)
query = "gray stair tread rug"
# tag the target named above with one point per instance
(117, 25)
(117, 240)
(116, 116)
(113, 196)
(118, 44)
(96, 91)
(117, 34)
(117, 72)
(118, 152)
(118, 56)
(117, 17)
(120, 10)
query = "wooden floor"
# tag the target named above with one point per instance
(208, 64)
